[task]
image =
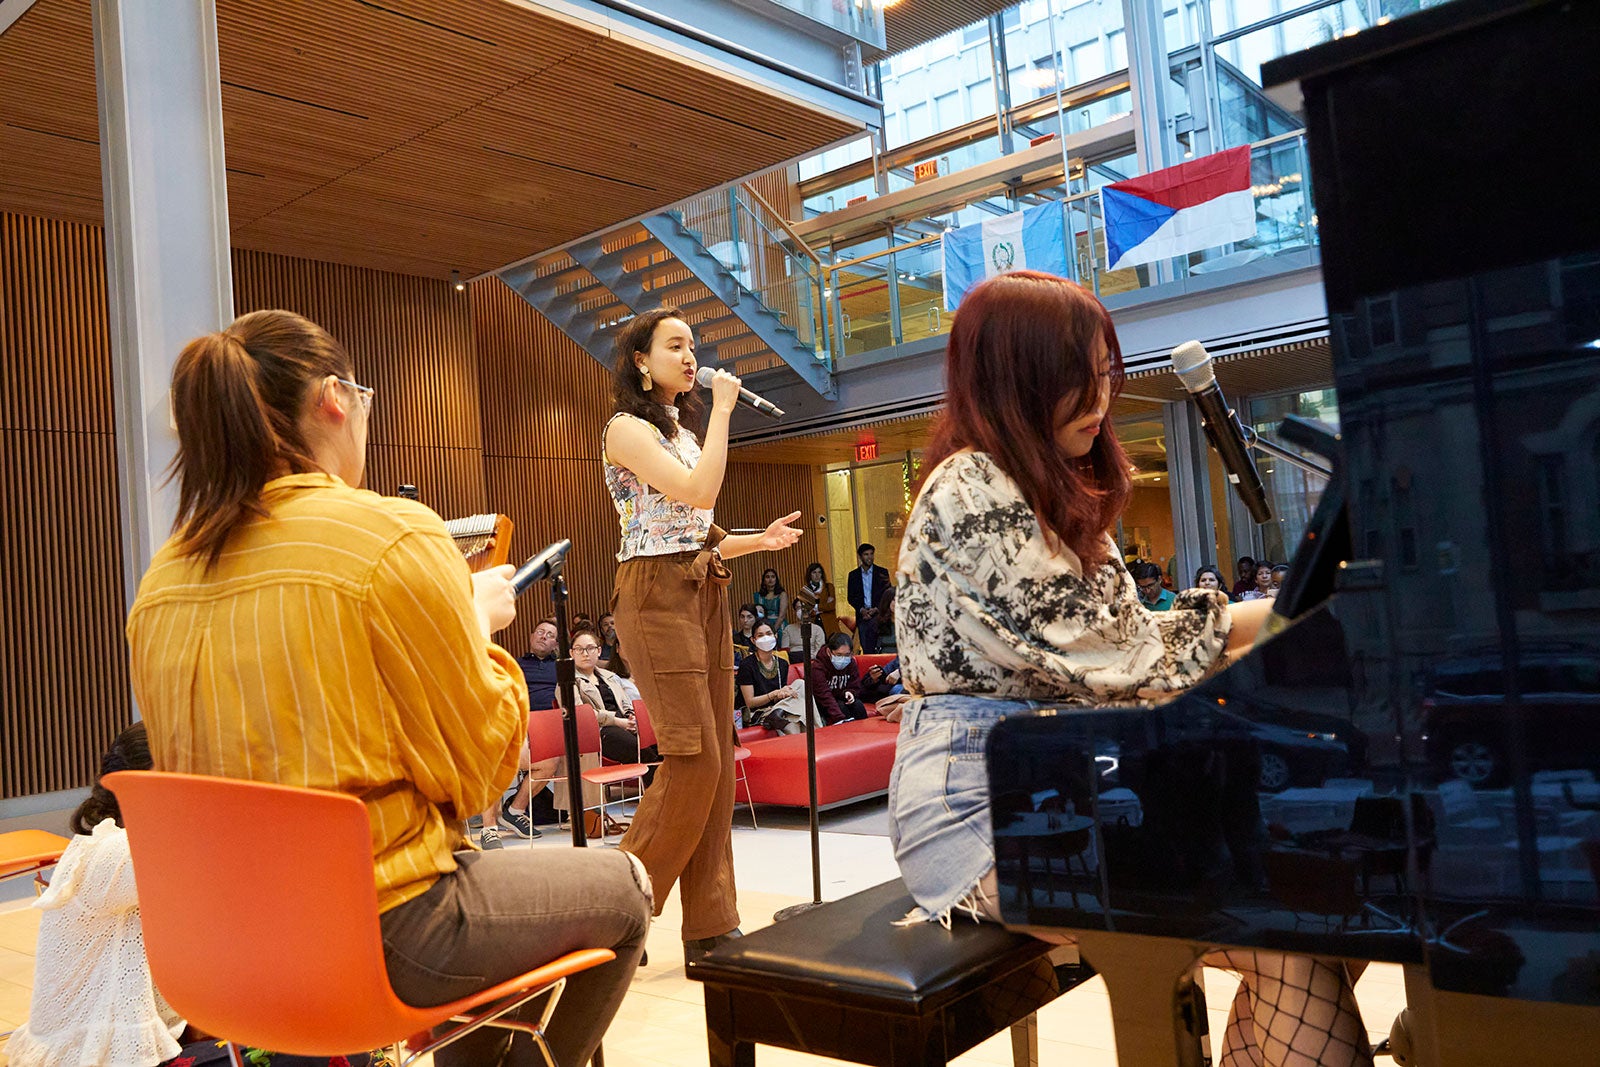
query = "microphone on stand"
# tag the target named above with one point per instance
(1192, 363)
(537, 569)
(704, 377)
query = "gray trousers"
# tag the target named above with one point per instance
(506, 912)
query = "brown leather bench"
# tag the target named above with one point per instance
(841, 980)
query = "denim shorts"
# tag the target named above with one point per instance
(939, 818)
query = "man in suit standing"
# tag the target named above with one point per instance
(867, 592)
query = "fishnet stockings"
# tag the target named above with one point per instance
(1291, 1011)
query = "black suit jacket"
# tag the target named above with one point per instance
(880, 588)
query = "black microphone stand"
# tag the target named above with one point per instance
(803, 614)
(566, 683)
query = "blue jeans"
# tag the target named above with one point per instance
(939, 819)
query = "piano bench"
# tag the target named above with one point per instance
(841, 980)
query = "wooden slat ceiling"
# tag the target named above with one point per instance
(411, 136)
(912, 22)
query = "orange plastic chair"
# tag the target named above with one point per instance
(290, 891)
(29, 851)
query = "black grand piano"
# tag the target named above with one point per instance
(1435, 654)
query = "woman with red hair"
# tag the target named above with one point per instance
(1012, 595)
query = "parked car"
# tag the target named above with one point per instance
(1467, 723)
(1294, 747)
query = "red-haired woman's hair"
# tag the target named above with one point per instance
(237, 396)
(1021, 343)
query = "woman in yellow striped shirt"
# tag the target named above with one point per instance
(299, 630)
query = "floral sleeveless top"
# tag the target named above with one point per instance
(654, 524)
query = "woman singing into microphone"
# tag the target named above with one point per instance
(671, 608)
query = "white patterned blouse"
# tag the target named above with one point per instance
(987, 606)
(654, 524)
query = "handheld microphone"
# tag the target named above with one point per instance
(538, 567)
(1192, 363)
(704, 377)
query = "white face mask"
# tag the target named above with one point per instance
(841, 662)
(766, 642)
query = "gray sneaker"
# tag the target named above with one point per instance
(490, 839)
(518, 823)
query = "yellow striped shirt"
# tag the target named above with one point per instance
(334, 645)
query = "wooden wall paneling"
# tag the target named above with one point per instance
(548, 499)
(64, 693)
(448, 480)
(543, 396)
(65, 662)
(56, 374)
(753, 494)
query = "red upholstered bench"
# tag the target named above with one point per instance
(853, 762)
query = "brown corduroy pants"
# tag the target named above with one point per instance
(676, 633)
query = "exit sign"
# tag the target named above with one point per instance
(928, 168)
(866, 450)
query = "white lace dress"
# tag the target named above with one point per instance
(93, 1000)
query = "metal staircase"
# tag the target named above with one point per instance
(751, 289)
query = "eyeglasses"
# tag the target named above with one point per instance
(365, 392)
(586, 648)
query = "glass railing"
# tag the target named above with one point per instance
(895, 295)
(759, 248)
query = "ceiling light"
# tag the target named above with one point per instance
(455, 280)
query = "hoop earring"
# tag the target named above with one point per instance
(645, 380)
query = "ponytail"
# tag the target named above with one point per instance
(129, 752)
(238, 396)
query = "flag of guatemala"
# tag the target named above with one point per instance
(1195, 205)
(1031, 239)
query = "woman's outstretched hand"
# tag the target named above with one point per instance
(779, 534)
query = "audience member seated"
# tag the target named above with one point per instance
(1279, 573)
(791, 638)
(867, 587)
(1262, 589)
(837, 680)
(539, 665)
(881, 680)
(1247, 577)
(420, 715)
(742, 632)
(602, 690)
(1152, 594)
(817, 594)
(771, 601)
(93, 998)
(1209, 577)
(769, 699)
(608, 639)
(619, 667)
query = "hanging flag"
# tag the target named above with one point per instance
(1031, 239)
(1195, 205)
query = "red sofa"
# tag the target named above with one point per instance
(853, 759)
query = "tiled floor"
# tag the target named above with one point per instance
(662, 1022)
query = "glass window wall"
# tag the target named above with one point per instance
(1292, 492)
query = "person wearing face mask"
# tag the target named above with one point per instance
(1015, 595)
(770, 699)
(837, 680)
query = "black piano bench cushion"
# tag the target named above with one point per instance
(845, 968)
